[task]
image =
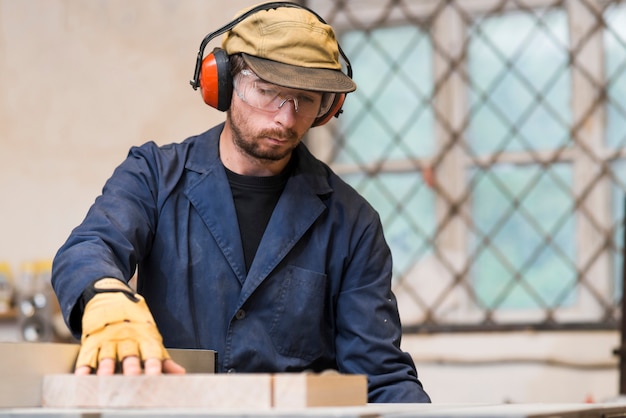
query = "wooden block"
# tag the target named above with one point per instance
(304, 390)
(252, 391)
(164, 391)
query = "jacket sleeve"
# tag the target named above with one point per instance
(368, 322)
(114, 235)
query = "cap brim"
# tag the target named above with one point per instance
(316, 79)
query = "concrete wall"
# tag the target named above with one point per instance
(83, 80)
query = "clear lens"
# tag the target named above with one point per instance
(270, 97)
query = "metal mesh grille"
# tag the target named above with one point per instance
(490, 135)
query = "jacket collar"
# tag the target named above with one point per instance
(300, 204)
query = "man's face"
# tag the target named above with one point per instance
(264, 120)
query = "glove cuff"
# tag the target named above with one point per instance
(108, 285)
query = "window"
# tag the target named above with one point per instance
(489, 135)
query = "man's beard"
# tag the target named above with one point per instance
(253, 148)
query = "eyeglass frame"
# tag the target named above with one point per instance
(326, 99)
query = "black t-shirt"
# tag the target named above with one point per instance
(255, 199)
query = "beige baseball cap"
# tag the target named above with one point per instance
(290, 47)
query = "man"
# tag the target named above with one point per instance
(244, 243)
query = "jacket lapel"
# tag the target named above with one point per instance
(210, 194)
(297, 209)
(295, 212)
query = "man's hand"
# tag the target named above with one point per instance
(118, 327)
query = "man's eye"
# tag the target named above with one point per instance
(266, 91)
(304, 98)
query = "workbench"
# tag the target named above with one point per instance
(367, 411)
(27, 371)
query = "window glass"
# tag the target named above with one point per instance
(388, 117)
(615, 43)
(516, 209)
(520, 82)
(523, 241)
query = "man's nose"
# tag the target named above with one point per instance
(289, 99)
(287, 114)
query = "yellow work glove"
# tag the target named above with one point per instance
(117, 323)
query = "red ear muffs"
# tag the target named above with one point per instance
(335, 110)
(212, 73)
(216, 85)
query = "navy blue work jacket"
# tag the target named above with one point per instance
(317, 295)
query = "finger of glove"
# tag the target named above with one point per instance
(143, 341)
(108, 350)
(127, 348)
(153, 349)
(87, 356)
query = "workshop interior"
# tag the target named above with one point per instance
(490, 136)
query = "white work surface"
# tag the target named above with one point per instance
(368, 411)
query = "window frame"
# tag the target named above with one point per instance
(588, 155)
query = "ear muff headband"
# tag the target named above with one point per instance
(212, 73)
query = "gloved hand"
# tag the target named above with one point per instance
(117, 324)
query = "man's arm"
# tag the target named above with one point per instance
(90, 270)
(369, 327)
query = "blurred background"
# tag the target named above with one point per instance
(489, 135)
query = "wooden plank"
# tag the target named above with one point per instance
(305, 390)
(226, 391)
(164, 391)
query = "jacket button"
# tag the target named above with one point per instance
(241, 314)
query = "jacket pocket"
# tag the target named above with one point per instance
(298, 317)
